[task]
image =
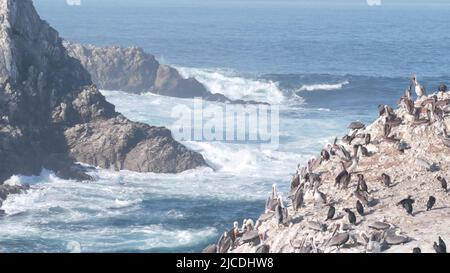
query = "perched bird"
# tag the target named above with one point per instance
(362, 186)
(343, 178)
(210, 249)
(339, 240)
(417, 250)
(409, 208)
(279, 211)
(440, 246)
(364, 151)
(386, 180)
(356, 125)
(406, 200)
(443, 182)
(325, 155)
(431, 202)
(262, 249)
(272, 201)
(319, 197)
(367, 139)
(359, 208)
(419, 89)
(224, 243)
(351, 216)
(331, 213)
(297, 201)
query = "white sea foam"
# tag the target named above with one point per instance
(323, 86)
(235, 86)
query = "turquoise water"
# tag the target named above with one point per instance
(325, 63)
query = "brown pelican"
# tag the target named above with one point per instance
(263, 249)
(443, 182)
(359, 208)
(210, 249)
(356, 125)
(419, 89)
(379, 225)
(431, 202)
(440, 246)
(224, 243)
(339, 240)
(351, 216)
(395, 238)
(386, 109)
(331, 213)
(272, 201)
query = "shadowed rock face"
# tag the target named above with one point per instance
(50, 109)
(135, 71)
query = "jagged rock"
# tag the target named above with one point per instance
(135, 71)
(47, 101)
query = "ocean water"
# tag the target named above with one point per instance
(324, 63)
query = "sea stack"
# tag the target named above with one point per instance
(52, 115)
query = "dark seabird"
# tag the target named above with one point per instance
(279, 211)
(359, 208)
(297, 201)
(263, 249)
(386, 180)
(331, 213)
(440, 246)
(343, 178)
(210, 249)
(362, 186)
(386, 130)
(367, 139)
(442, 88)
(325, 155)
(417, 250)
(356, 125)
(295, 182)
(364, 151)
(402, 146)
(409, 208)
(224, 243)
(351, 216)
(339, 240)
(406, 200)
(431, 202)
(443, 182)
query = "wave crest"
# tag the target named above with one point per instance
(322, 87)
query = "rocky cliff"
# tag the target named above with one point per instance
(51, 115)
(135, 71)
(382, 188)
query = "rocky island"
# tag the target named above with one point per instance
(381, 188)
(51, 114)
(135, 71)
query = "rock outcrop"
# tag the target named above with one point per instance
(407, 154)
(135, 71)
(51, 115)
